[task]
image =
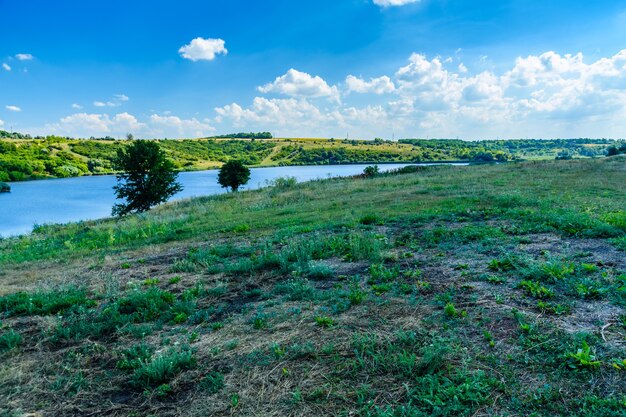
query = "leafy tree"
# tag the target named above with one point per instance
(233, 174)
(371, 171)
(148, 178)
(129, 136)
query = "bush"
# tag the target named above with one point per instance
(4, 187)
(371, 171)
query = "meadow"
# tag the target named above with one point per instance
(488, 290)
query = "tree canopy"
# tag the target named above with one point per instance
(148, 177)
(233, 174)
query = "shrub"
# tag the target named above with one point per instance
(371, 171)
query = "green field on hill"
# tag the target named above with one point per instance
(24, 158)
(486, 290)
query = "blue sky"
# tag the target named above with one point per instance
(323, 68)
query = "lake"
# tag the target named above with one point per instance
(87, 198)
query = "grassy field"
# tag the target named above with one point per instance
(488, 290)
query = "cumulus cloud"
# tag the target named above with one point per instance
(391, 3)
(200, 49)
(1, 123)
(13, 108)
(6, 66)
(301, 84)
(183, 127)
(24, 57)
(77, 106)
(380, 85)
(547, 95)
(118, 125)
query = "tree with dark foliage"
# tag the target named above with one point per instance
(233, 174)
(148, 177)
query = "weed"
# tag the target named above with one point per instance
(536, 290)
(450, 310)
(161, 368)
(324, 321)
(370, 219)
(10, 340)
(583, 358)
(212, 383)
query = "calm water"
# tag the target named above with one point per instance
(86, 198)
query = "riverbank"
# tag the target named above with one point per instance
(456, 291)
(91, 197)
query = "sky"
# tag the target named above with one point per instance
(314, 68)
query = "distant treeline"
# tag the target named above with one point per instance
(243, 135)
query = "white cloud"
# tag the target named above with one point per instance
(549, 95)
(183, 127)
(390, 3)
(380, 85)
(6, 66)
(300, 84)
(118, 125)
(1, 123)
(24, 57)
(118, 100)
(13, 108)
(200, 49)
(77, 106)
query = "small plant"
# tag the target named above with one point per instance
(125, 265)
(356, 295)
(583, 358)
(10, 340)
(450, 310)
(133, 357)
(370, 219)
(180, 318)
(241, 228)
(380, 289)
(150, 282)
(588, 290)
(212, 383)
(323, 321)
(536, 290)
(501, 265)
(162, 368)
(556, 309)
(174, 280)
(589, 268)
(493, 279)
(259, 321)
(556, 270)
(379, 273)
(489, 338)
